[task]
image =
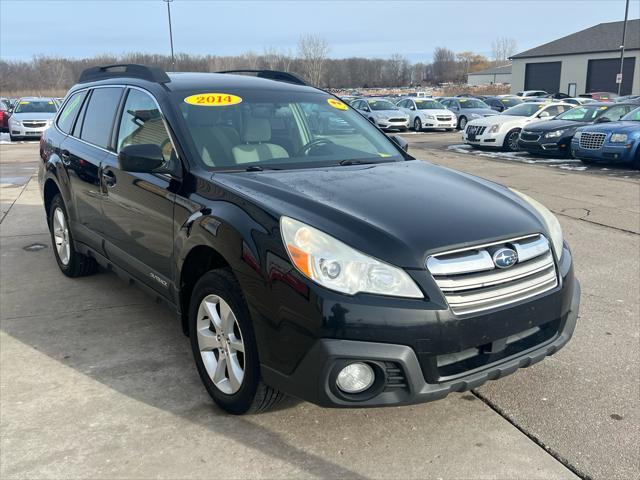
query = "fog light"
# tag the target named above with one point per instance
(355, 378)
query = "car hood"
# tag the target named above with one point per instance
(618, 127)
(389, 113)
(497, 120)
(479, 111)
(437, 111)
(398, 212)
(551, 125)
(33, 116)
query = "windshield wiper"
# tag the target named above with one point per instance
(258, 168)
(357, 162)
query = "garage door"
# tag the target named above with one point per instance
(543, 76)
(601, 75)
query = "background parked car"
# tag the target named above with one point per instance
(382, 113)
(579, 100)
(531, 93)
(500, 104)
(628, 99)
(31, 116)
(610, 141)
(601, 96)
(502, 131)
(467, 109)
(427, 113)
(4, 116)
(554, 137)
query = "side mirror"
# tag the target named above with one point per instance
(603, 120)
(401, 142)
(544, 114)
(412, 107)
(142, 158)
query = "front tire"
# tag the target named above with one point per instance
(510, 143)
(71, 262)
(224, 346)
(417, 125)
(462, 123)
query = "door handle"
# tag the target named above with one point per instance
(109, 178)
(66, 157)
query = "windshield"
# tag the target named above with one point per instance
(381, 105)
(582, 114)
(429, 105)
(524, 109)
(510, 102)
(272, 129)
(633, 115)
(472, 103)
(36, 106)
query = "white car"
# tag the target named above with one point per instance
(427, 113)
(383, 113)
(31, 116)
(502, 131)
(531, 93)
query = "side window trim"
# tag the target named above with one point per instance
(77, 113)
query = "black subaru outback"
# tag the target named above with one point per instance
(304, 251)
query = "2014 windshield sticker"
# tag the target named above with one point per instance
(213, 99)
(337, 104)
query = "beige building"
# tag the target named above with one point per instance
(583, 62)
(490, 76)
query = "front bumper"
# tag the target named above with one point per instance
(26, 131)
(421, 363)
(495, 140)
(435, 123)
(544, 146)
(607, 153)
(386, 125)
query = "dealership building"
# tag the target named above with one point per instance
(583, 62)
(490, 76)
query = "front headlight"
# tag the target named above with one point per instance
(577, 135)
(14, 121)
(475, 115)
(550, 221)
(618, 138)
(429, 116)
(494, 129)
(554, 134)
(336, 266)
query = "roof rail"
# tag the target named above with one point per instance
(133, 70)
(272, 75)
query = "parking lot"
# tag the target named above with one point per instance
(96, 380)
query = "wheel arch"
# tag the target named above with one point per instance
(49, 192)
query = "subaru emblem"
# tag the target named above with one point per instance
(505, 258)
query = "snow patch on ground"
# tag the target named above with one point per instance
(6, 140)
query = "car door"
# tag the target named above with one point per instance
(138, 207)
(81, 152)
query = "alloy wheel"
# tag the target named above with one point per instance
(417, 125)
(220, 344)
(61, 236)
(513, 141)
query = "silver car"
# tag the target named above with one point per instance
(427, 113)
(382, 113)
(31, 116)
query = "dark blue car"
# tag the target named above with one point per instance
(610, 141)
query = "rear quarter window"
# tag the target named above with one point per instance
(98, 118)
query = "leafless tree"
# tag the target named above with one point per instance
(502, 48)
(313, 50)
(444, 65)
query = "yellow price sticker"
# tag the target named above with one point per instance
(603, 108)
(337, 104)
(463, 100)
(24, 103)
(213, 99)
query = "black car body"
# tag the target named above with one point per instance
(553, 137)
(488, 284)
(500, 104)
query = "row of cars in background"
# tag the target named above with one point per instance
(27, 117)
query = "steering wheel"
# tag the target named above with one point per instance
(313, 143)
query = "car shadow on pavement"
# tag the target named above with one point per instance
(117, 335)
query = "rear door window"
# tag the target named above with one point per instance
(99, 115)
(70, 111)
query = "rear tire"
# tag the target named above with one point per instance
(71, 262)
(224, 346)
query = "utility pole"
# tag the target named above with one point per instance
(624, 34)
(173, 59)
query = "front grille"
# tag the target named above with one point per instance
(529, 136)
(34, 124)
(442, 118)
(471, 282)
(592, 141)
(401, 120)
(475, 130)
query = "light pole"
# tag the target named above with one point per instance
(173, 60)
(624, 34)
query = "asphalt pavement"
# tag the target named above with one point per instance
(96, 380)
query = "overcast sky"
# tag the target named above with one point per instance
(82, 28)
